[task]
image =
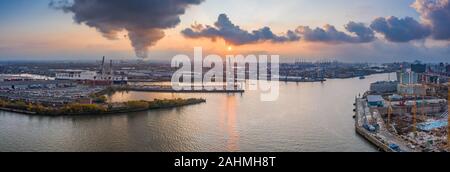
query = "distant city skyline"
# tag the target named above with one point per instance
(343, 30)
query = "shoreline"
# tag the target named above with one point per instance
(127, 107)
(366, 135)
(281, 79)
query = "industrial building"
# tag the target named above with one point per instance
(412, 89)
(76, 75)
(382, 87)
(375, 100)
(22, 77)
(105, 76)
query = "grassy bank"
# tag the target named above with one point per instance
(94, 109)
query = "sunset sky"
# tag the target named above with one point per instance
(40, 30)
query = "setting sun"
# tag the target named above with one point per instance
(230, 48)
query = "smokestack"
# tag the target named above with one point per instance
(102, 71)
(111, 67)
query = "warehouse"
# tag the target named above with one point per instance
(375, 100)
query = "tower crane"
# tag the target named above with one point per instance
(414, 111)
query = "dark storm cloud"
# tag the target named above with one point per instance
(330, 34)
(233, 34)
(363, 33)
(144, 20)
(400, 30)
(436, 14)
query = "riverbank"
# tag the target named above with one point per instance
(95, 109)
(359, 118)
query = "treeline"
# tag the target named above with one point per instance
(38, 109)
(95, 109)
(169, 103)
(158, 104)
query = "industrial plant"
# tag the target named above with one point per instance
(68, 85)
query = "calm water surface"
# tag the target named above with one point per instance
(307, 117)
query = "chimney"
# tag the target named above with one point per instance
(111, 67)
(103, 66)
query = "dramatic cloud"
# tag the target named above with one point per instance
(331, 35)
(233, 34)
(363, 33)
(144, 20)
(400, 30)
(435, 22)
(436, 14)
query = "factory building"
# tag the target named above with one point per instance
(105, 76)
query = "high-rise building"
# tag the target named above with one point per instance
(418, 68)
(448, 69)
(408, 77)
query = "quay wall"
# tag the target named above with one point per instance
(369, 137)
(380, 145)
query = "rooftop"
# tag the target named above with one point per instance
(375, 98)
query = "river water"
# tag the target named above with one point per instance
(307, 117)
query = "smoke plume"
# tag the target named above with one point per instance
(144, 20)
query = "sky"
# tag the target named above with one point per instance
(344, 30)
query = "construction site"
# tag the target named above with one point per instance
(411, 118)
